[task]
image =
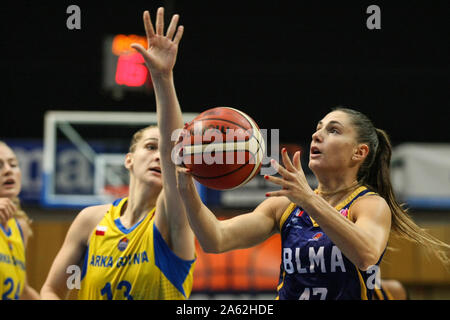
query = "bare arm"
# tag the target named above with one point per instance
(242, 231)
(362, 240)
(28, 292)
(160, 58)
(71, 252)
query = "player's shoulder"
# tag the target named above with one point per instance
(275, 207)
(275, 203)
(93, 213)
(88, 218)
(370, 204)
(370, 198)
(25, 228)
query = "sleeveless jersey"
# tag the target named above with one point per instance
(12, 261)
(382, 294)
(313, 267)
(133, 263)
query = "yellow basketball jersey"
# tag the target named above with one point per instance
(134, 263)
(12, 261)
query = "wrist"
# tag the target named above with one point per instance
(186, 187)
(189, 195)
(308, 199)
(161, 75)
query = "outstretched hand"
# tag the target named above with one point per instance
(161, 54)
(293, 181)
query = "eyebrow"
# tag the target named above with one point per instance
(10, 159)
(331, 122)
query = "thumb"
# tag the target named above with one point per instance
(184, 170)
(139, 48)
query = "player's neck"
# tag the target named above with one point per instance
(334, 191)
(136, 208)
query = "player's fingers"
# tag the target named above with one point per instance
(149, 31)
(287, 161)
(179, 136)
(280, 169)
(297, 162)
(10, 208)
(160, 21)
(3, 217)
(276, 180)
(279, 193)
(139, 48)
(183, 170)
(6, 212)
(172, 26)
(178, 35)
(145, 54)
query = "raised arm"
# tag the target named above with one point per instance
(160, 58)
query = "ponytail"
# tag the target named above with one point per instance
(375, 174)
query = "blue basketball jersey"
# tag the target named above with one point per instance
(382, 294)
(313, 267)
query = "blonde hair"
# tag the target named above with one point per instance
(19, 213)
(138, 136)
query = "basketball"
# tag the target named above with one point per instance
(223, 147)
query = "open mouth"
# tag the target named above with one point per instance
(9, 182)
(158, 170)
(315, 150)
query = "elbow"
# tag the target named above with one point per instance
(210, 247)
(47, 292)
(367, 261)
(29, 293)
(212, 243)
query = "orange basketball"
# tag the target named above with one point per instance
(223, 147)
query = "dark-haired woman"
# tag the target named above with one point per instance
(334, 237)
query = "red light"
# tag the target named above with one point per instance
(131, 70)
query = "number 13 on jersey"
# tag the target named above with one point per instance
(123, 285)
